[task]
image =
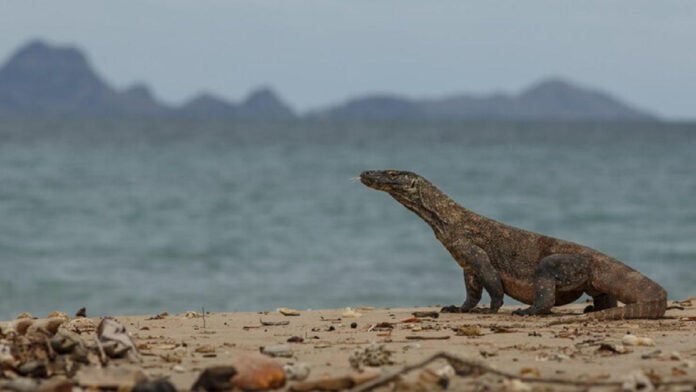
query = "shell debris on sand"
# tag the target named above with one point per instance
(633, 340)
(288, 312)
(350, 313)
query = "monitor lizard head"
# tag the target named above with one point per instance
(402, 185)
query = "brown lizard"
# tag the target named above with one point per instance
(532, 268)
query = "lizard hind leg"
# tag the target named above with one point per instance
(558, 279)
(601, 302)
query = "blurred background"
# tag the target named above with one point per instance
(176, 155)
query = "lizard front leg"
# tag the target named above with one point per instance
(479, 273)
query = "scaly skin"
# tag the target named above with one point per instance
(532, 268)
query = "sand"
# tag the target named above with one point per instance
(506, 342)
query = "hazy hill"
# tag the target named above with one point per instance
(549, 100)
(40, 79)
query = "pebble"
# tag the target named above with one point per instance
(277, 351)
(178, 368)
(297, 371)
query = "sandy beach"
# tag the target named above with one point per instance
(180, 346)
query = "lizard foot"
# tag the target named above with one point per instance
(454, 309)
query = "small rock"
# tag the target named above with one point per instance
(354, 325)
(651, 355)
(295, 339)
(82, 312)
(257, 373)
(468, 330)
(192, 315)
(178, 368)
(675, 356)
(297, 371)
(277, 351)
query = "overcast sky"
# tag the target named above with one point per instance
(316, 52)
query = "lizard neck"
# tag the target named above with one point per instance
(440, 212)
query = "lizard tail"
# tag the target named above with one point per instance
(641, 310)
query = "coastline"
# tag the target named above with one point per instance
(181, 346)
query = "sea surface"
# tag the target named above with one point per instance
(143, 216)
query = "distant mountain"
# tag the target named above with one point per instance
(40, 79)
(552, 99)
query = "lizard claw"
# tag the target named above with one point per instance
(454, 309)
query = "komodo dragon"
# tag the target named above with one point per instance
(532, 268)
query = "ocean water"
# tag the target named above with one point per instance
(142, 216)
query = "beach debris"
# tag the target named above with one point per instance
(21, 384)
(467, 330)
(335, 383)
(277, 351)
(82, 325)
(675, 356)
(651, 355)
(273, 323)
(372, 355)
(677, 372)
(633, 340)
(158, 385)
(613, 348)
(354, 325)
(296, 371)
(192, 315)
(295, 339)
(489, 353)
(530, 372)
(82, 312)
(288, 312)
(119, 378)
(425, 337)
(115, 341)
(383, 326)
(426, 314)
(159, 316)
(636, 381)
(205, 349)
(350, 313)
(411, 320)
(24, 315)
(502, 329)
(178, 368)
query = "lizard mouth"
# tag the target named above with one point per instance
(374, 179)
